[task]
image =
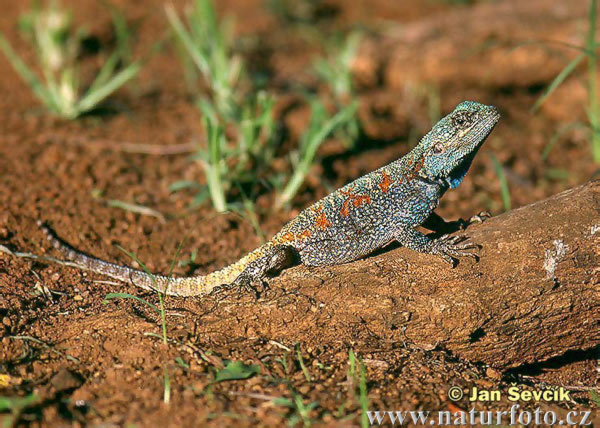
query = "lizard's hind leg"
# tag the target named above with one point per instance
(255, 275)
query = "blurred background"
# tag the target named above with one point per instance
(299, 97)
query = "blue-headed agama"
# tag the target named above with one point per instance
(383, 206)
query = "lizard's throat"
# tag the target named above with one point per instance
(457, 175)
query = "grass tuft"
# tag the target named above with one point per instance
(16, 406)
(208, 45)
(236, 370)
(239, 123)
(57, 46)
(166, 386)
(299, 412)
(335, 70)
(302, 365)
(357, 372)
(229, 159)
(320, 127)
(588, 53)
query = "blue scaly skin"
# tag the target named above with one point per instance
(383, 206)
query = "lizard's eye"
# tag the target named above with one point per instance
(438, 149)
(462, 119)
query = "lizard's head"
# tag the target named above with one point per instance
(449, 148)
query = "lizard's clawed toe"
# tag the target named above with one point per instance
(448, 259)
(248, 283)
(480, 218)
(477, 218)
(452, 247)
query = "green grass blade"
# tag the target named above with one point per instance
(105, 72)
(53, 90)
(135, 258)
(591, 37)
(569, 68)
(92, 98)
(177, 255)
(556, 174)
(205, 25)
(27, 74)
(559, 133)
(236, 370)
(208, 110)
(351, 364)
(302, 365)
(11, 403)
(363, 397)
(167, 387)
(183, 184)
(161, 299)
(342, 116)
(161, 309)
(138, 209)
(185, 39)
(212, 165)
(312, 144)
(504, 190)
(548, 148)
(111, 296)
(122, 33)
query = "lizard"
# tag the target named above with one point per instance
(380, 207)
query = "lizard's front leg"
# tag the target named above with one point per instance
(447, 247)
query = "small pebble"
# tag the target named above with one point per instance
(493, 373)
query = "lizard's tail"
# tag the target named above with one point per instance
(188, 286)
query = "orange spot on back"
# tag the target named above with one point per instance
(303, 235)
(287, 237)
(345, 211)
(385, 184)
(419, 164)
(361, 199)
(415, 169)
(357, 201)
(322, 222)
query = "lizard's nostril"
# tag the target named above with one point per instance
(494, 111)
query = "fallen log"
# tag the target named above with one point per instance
(534, 294)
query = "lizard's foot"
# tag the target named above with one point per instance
(451, 247)
(254, 277)
(477, 218)
(250, 283)
(219, 290)
(242, 284)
